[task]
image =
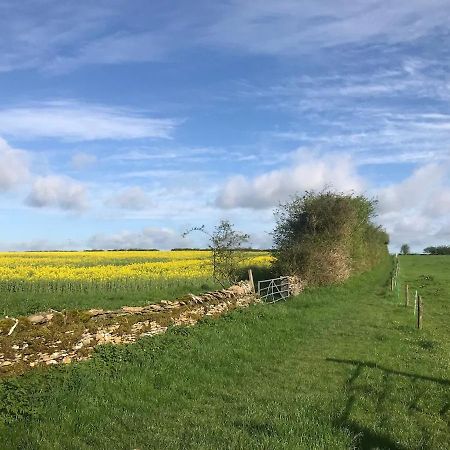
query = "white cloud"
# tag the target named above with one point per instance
(308, 172)
(39, 245)
(81, 160)
(14, 168)
(150, 237)
(417, 210)
(132, 198)
(80, 122)
(417, 191)
(57, 192)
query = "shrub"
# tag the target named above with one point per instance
(324, 237)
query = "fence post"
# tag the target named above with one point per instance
(406, 295)
(250, 278)
(392, 283)
(419, 312)
(415, 303)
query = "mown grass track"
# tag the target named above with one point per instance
(334, 368)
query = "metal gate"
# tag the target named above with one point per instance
(273, 290)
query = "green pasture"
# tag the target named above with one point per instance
(336, 367)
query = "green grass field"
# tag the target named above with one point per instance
(334, 368)
(430, 276)
(136, 294)
(23, 303)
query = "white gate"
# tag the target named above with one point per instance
(273, 290)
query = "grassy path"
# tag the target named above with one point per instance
(335, 368)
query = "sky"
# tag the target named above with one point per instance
(125, 122)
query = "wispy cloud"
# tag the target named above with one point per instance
(66, 35)
(395, 113)
(34, 34)
(290, 27)
(81, 122)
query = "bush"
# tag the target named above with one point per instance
(324, 237)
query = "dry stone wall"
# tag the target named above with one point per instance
(62, 337)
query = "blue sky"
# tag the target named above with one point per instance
(123, 123)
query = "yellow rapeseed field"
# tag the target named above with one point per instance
(100, 266)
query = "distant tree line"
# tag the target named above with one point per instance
(439, 250)
(122, 250)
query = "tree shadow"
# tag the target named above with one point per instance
(254, 427)
(372, 365)
(367, 439)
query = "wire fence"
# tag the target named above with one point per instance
(418, 299)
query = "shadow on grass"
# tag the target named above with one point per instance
(372, 365)
(367, 439)
(255, 428)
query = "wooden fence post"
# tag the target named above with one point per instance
(419, 312)
(250, 278)
(406, 295)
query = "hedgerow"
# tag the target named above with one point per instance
(326, 236)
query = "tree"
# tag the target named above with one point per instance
(324, 236)
(227, 253)
(439, 250)
(404, 249)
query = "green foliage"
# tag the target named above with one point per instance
(323, 237)
(439, 250)
(227, 252)
(405, 250)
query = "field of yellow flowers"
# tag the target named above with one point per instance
(101, 270)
